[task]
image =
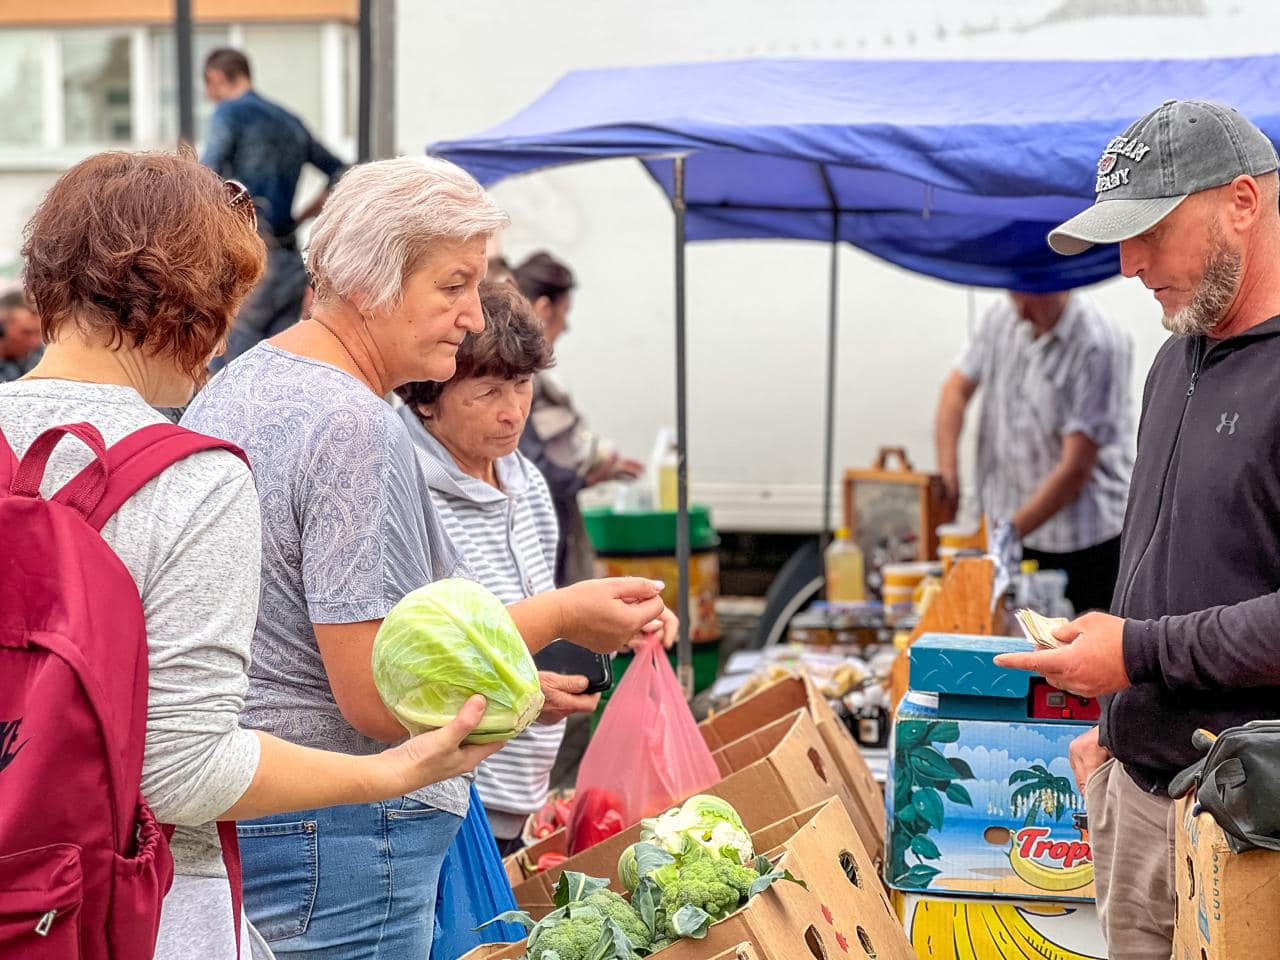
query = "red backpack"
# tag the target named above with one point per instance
(83, 864)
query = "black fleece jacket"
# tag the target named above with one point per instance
(1200, 554)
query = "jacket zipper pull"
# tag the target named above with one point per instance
(46, 923)
(1191, 388)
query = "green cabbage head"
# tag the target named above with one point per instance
(444, 643)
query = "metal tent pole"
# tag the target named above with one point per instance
(364, 92)
(186, 88)
(685, 648)
(829, 424)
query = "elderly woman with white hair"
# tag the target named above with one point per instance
(396, 257)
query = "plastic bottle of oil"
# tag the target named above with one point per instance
(846, 576)
(664, 465)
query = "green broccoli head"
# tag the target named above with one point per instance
(569, 939)
(575, 937)
(715, 885)
(616, 908)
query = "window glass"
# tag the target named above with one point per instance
(21, 87)
(164, 59)
(96, 95)
(285, 62)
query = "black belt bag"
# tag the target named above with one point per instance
(1238, 782)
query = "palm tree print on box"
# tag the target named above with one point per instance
(1041, 792)
(922, 776)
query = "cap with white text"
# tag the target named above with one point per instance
(1180, 148)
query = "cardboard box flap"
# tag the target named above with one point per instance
(962, 665)
(799, 693)
(772, 703)
(495, 951)
(822, 848)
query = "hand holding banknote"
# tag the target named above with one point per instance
(1039, 629)
(1084, 657)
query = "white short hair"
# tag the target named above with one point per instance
(382, 219)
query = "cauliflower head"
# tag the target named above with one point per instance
(702, 824)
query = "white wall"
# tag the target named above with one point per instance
(20, 191)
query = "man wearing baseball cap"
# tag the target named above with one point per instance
(1189, 192)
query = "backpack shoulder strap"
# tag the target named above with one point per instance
(8, 463)
(141, 457)
(230, 844)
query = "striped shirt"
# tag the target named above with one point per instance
(1074, 379)
(507, 540)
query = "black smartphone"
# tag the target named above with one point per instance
(561, 656)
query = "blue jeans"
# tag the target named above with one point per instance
(346, 883)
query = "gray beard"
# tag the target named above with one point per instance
(1212, 298)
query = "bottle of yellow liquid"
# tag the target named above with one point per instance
(668, 483)
(668, 479)
(663, 469)
(846, 577)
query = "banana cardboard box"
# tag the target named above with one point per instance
(1228, 903)
(960, 928)
(981, 799)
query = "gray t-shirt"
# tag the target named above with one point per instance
(347, 530)
(189, 539)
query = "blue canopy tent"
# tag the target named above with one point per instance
(953, 169)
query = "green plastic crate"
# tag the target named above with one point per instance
(652, 533)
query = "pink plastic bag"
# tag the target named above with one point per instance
(645, 757)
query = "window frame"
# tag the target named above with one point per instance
(53, 153)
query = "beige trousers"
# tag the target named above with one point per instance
(1132, 835)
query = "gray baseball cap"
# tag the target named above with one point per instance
(1179, 148)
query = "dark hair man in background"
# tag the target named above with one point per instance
(263, 146)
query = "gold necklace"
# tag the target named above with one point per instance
(368, 381)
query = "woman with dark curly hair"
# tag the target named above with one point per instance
(497, 511)
(136, 264)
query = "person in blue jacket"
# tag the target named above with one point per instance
(264, 146)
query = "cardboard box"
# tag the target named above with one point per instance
(768, 774)
(981, 798)
(844, 911)
(783, 923)
(1228, 903)
(949, 928)
(821, 846)
(862, 795)
(995, 830)
(520, 864)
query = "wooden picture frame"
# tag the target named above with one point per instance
(896, 501)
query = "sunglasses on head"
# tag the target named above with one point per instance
(241, 200)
